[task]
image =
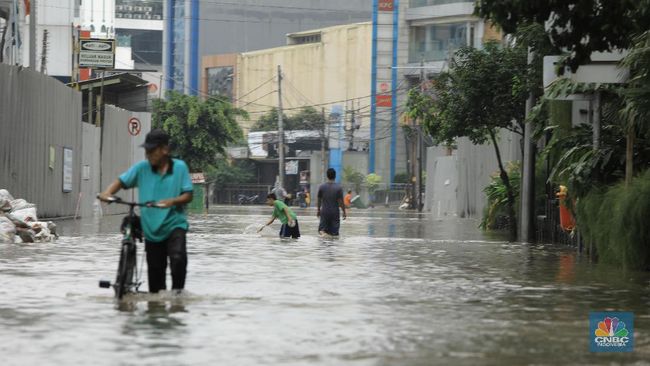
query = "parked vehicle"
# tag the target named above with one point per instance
(247, 200)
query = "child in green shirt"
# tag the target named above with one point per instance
(287, 217)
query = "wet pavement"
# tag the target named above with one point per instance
(397, 289)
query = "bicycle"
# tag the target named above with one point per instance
(127, 266)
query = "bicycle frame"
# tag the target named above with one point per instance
(127, 266)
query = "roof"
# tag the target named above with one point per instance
(116, 83)
(326, 29)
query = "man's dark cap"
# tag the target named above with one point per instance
(155, 138)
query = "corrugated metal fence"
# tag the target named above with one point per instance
(39, 117)
(455, 183)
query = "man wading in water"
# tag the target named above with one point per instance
(167, 182)
(330, 198)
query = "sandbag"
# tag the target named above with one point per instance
(42, 231)
(4, 194)
(25, 215)
(5, 205)
(7, 230)
(19, 204)
(26, 235)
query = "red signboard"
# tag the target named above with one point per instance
(386, 5)
(384, 100)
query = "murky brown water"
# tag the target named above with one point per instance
(395, 290)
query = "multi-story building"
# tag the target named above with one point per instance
(53, 35)
(241, 26)
(411, 38)
(181, 46)
(139, 25)
(327, 69)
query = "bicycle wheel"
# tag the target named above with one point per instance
(125, 270)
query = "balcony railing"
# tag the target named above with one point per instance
(421, 3)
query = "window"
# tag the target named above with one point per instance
(421, 3)
(435, 42)
(220, 81)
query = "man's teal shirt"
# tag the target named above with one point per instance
(158, 223)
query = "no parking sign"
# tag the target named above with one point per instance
(134, 126)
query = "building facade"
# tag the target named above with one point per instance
(411, 38)
(327, 69)
(181, 46)
(241, 26)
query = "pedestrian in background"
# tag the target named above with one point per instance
(347, 200)
(287, 217)
(330, 199)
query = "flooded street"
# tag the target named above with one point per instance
(396, 289)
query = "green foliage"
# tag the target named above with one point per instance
(478, 95)
(579, 27)
(222, 172)
(615, 219)
(495, 216)
(353, 177)
(485, 91)
(402, 178)
(578, 166)
(307, 118)
(636, 95)
(199, 130)
(372, 182)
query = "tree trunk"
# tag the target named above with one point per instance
(506, 182)
(629, 155)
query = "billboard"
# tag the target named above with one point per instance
(97, 53)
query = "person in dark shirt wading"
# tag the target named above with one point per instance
(330, 199)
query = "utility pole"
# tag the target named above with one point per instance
(280, 131)
(323, 141)
(419, 142)
(32, 34)
(353, 123)
(527, 233)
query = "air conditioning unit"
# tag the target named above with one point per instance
(137, 16)
(119, 7)
(147, 16)
(128, 15)
(137, 8)
(148, 8)
(157, 17)
(119, 15)
(128, 8)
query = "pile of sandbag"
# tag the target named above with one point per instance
(19, 223)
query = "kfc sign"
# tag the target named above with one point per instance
(386, 5)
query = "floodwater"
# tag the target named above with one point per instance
(396, 289)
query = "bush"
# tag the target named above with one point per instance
(495, 216)
(401, 178)
(615, 219)
(353, 177)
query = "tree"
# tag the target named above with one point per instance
(222, 172)
(636, 97)
(353, 177)
(199, 130)
(306, 119)
(579, 27)
(480, 95)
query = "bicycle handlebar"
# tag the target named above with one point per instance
(118, 200)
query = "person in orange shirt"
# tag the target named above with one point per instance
(347, 200)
